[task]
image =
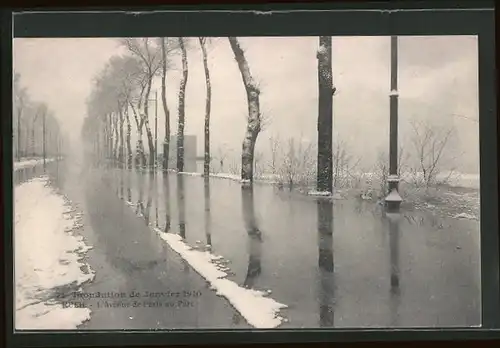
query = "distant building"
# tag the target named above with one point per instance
(190, 153)
(189, 147)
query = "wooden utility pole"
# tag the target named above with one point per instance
(393, 200)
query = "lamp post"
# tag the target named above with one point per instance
(393, 199)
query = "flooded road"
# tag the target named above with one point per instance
(335, 264)
(342, 263)
(140, 282)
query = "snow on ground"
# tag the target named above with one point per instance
(455, 179)
(320, 193)
(325, 194)
(215, 175)
(465, 216)
(47, 256)
(30, 163)
(259, 310)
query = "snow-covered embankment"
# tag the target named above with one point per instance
(30, 163)
(48, 256)
(255, 306)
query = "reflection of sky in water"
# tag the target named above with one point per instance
(344, 264)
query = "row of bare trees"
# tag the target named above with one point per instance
(422, 161)
(123, 88)
(36, 131)
(125, 84)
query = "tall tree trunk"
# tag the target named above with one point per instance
(121, 152)
(206, 164)
(33, 153)
(105, 140)
(97, 147)
(149, 135)
(140, 157)
(18, 154)
(116, 134)
(27, 140)
(140, 146)
(129, 135)
(110, 135)
(166, 141)
(182, 100)
(254, 117)
(325, 115)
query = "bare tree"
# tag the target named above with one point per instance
(41, 109)
(274, 148)
(297, 166)
(254, 115)
(221, 155)
(344, 165)
(429, 143)
(129, 142)
(206, 161)
(150, 57)
(124, 84)
(258, 168)
(182, 101)
(166, 141)
(325, 115)
(116, 136)
(20, 100)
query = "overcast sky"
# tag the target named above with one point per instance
(437, 79)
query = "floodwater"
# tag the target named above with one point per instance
(342, 263)
(335, 264)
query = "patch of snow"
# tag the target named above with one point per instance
(226, 176)
(47, 255)
(321, 49)
(259, 310)
(30, 163)
(465, 216)
(190, 173)
(319, 193)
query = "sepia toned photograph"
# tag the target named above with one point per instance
(246, 182)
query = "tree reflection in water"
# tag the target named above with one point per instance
(254, 242)
(181, 203)
(166, 193)
(254, 236)
(395, 290)
(129, 185)
(149, 199)
(155, 174)
(208, 233)
(325, 262)
(140, 198)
